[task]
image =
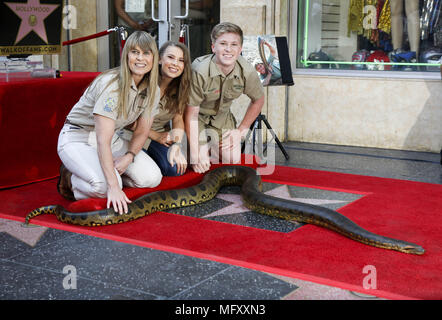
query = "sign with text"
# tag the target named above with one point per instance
(30, 27)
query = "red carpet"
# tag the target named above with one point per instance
(400, 209)
(32, 113)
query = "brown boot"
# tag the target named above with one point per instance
(64, 185)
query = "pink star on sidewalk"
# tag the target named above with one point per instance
(32, 15)
(29, 235)
(237, 205)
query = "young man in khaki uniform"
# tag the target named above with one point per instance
(218, 79)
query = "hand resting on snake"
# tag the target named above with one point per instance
(254, 199)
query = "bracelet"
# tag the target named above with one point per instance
(132, 153)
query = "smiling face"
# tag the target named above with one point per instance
(140, 63)
(172, 62)
(260, 68)
(227, 48)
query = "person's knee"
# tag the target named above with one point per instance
(156, 178)
(91, 188)
(98, 189)
(149, 178)
(170, 171)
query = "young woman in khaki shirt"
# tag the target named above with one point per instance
(175, 75)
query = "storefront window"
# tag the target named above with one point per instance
(377, 35)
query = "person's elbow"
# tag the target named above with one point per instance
(259, 103)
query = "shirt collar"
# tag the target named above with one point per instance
(141, 87)
(214, 71)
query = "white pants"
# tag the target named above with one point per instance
(77, 149)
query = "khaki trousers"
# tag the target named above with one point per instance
(209, 141)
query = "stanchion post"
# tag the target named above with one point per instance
(122, 36)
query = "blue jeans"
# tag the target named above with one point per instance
(158, 153)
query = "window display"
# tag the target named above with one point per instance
(382, 35)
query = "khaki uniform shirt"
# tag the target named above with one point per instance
(161, 122)
(102, 99)
(214, 92)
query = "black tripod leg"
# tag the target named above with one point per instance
(257, 125)
(275, 137)
(252, 130)
(259, 133)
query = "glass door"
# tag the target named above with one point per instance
(194, 18)
(189, 21)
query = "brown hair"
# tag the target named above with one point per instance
(225, 27)
(178, 90)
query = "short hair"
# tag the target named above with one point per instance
(225, 27)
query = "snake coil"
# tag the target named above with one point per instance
(254, 199)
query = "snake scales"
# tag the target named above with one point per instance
(254, 199)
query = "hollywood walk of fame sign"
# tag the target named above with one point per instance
(30, 27)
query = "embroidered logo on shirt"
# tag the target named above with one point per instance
(214, 90)
(109, 104)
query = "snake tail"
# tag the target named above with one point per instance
(55, 209)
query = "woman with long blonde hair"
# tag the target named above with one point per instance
(96, 161)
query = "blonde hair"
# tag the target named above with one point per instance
(225, 27)
(123, 75)
(178, 90)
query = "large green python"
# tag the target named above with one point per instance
(254, 199)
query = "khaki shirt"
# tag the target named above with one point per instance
(161, 122)
(214, 92)
(99, 98)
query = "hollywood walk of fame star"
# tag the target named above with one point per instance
(237, 205)
(28, 235)
(32, 15)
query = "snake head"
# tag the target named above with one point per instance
(413, 249)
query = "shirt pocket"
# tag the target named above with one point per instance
(212, 96)
(233, 92)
